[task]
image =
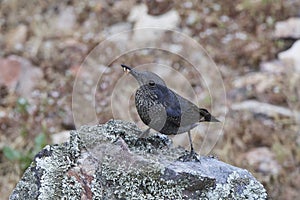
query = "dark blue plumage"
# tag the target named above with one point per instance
(164, 110)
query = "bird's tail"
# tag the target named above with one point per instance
(207, 116)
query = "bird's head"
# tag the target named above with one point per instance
(144, 77)
(151, 83)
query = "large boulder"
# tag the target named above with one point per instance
(110, 161)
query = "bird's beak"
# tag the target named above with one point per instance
(213, 119)
(133, 72)
(126, 69)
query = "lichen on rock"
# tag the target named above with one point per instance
(110, 161)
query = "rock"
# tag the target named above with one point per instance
(60, 137)
(110, 161)
(10, 72)
(66, 20)
(16, 37)
(142, 19)
(119, 9)
(263, 86)
(288, 29)
(192, 18)
(263, 160)
(18, 74)
(158, 7)
(273, 67)
(291, 56)
(265, 109)
(117, 28)
(71, 52)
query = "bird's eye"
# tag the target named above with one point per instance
(151, 83)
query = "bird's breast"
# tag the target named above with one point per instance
(150, 110)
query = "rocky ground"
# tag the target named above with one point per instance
(253, 43)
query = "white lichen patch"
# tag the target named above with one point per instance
(71, 188)
(53, 165)
(111, 162)
(238, 188)
(124, 181)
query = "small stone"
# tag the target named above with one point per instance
(158, 7)
(142, 19)
(61, 137)
(19, 75)
(192, 18)
(288, 29)
(66, 20)
(263, 86)
(273, 67)
(291, 56)
(269, 110)
(117, 28)
(263, 160)
(16, 37)
(10, 72)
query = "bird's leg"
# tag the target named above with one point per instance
(192, 156)
(191, 143)
(145, 133)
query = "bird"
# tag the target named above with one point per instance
(165, 111)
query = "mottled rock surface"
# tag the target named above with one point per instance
(19, 74)
(289, 28)
(110, 161)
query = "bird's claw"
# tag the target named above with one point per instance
(192, 156)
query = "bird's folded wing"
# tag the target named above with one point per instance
(189, 112)
(174, 115)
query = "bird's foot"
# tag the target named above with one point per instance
(192, 156)
(142, 137)
(158, 141)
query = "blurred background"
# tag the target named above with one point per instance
(253, 43)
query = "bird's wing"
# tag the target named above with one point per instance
(174, 113)
(189, 111)
(181, 111)
(172, 107)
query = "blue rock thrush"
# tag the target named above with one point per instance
(164, 110)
